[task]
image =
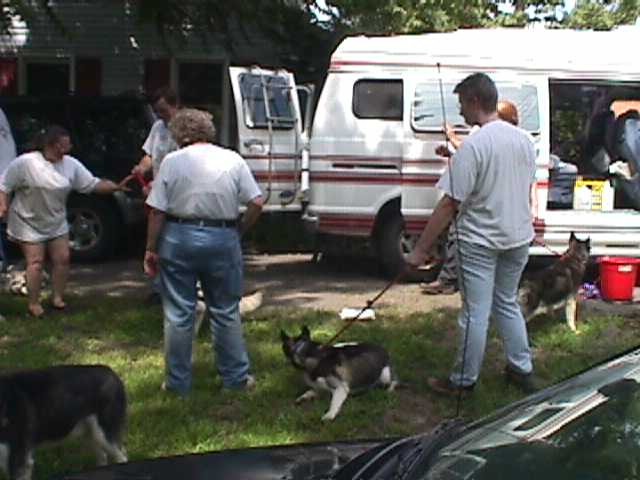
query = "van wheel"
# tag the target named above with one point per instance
(393, 245)
(93, 228)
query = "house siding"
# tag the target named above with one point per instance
(108, 30)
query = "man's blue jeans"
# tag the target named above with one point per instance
(212, 255)
(489, 286)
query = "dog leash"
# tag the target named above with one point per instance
(135, 176)
(544, 245)
(369, 303)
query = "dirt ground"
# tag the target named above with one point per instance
(293, 280)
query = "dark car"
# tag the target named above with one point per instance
(587, 427)
(107, 135)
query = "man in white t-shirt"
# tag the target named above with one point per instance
(487, 188)
(7, 154)
(447, 281)
(158, 144)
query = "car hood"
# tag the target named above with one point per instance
(292, 462)
(585, 427)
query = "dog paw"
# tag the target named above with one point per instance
(327, 417)
(306, 396)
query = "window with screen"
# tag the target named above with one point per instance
(381, 99)
(267, 99)
(428, 105)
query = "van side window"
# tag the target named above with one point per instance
(266, 99)
(381, 99)
(427, 105)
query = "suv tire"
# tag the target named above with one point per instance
(93, 227)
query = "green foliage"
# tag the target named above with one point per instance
(128, 337)
(603, 14)
(591, 15)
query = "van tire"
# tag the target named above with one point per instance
(93, 228)
(392, 248)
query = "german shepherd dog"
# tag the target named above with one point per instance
(339, 369)
(51, 404)
(558, 284)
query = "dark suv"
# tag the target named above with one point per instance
(107, 135)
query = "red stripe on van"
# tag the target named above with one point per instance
(288, 177)
(348, 178)
(346, 224)
(275, 156)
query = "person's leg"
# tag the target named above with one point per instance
(447, 279)
(178, 303)
(506, 311)
(222, 287)
(477, 271)
(34, 257)
(58, 250)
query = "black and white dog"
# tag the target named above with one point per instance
(557, 285)
(339, 369)
(51, 404)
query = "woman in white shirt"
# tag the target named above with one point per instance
(193, 234)
(40, 182)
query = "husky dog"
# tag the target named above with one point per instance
(15, 281)
(338, 369)
(51, 404)
(558, 284)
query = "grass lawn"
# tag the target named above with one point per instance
(128, 337)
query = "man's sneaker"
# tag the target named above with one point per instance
(166, 388)
(444, 386)
(248, 385)
(438, 288)
(528, 383)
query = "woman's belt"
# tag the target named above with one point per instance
(203, 222)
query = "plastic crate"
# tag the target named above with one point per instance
(597, 188)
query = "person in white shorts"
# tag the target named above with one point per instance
(40, 182)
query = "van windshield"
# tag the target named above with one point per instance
(427, 106)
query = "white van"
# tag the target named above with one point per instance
(365, 167)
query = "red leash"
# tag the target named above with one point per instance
(138, 177)
(544, 245)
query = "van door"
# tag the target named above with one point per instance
(584, 117)
(269, 132)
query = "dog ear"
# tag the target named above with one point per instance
(304, 332)
(572, 237)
